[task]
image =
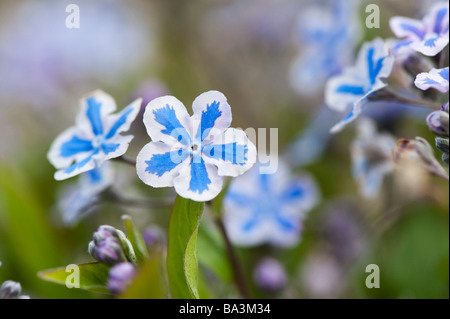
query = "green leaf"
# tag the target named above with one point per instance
(92, 276)
(136, 239)
(212, 251)
(182, 261)
(149, 283)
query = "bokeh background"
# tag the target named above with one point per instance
(245, 49)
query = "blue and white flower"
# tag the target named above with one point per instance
(263, 208)
(322, 26)
(372, 158)
(353, 87)
(95, 137)
(192, 154)
(79, 200)
(436, 79)
(427, 36)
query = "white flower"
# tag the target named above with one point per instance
(95, 138)
(436, 79)
(192, 154)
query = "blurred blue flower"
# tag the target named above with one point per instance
(353, 87)
(327, 34)
(427, 36)
(436, 79)
(193, 154)
(263, 208)
(372, 157)
(78, 200)
(95, 138)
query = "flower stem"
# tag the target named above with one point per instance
(126, 160)
(390, 95)
(238, 274)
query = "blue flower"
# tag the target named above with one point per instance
(95, 138)
(353, 87)
(193, 154)
(263, 208)
(372, 158)
(78, 200)
(436, 79)
(322, 27)
(428, 36)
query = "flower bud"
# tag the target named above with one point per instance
(270, 275)
(11, 290)
(110, 246)
(442, 144)
(438, 123)
(120, 277)
(416, 150)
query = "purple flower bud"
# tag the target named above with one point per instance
(444, 107)
(438, 123)
(120, 277)
(110, 246)
(11, 290)
(270, 275)
(153, 236)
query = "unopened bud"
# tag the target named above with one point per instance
(110, 246)
(438, 123)
(120, 277)
(11, 290)
(270, 275)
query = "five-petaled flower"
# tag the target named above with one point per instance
(95, 138)
(436, 79)
(354, 86)
(192, 154)
(268, 208)
(428, 36)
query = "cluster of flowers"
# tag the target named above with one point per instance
(357, 90)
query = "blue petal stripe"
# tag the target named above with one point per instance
(167, 117)
(95, 175)
(74, 146)
(160, 164)
(208, 119)
(413, 29)
(294, 192)
(94, 115)
(199, 177)
(231, 152)
(239, 199)
(439, 18)
(120, 121)
(284, 223)
(109, 148)
(431, 42)
(80, 164)
(374, 68)
(444, 73)
(350, 89)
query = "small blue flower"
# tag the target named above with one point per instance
(436, 79)
(193, 154)
(262, 208)
(95, 138)
(353, 87)
(78, 200)
(372, 158)
(427, 36)
(333, 24)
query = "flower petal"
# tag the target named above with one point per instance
(342, 91)
(157, 164)
(68, 147)
(437, 19)
(121, 122)
(212, 115)
(407, 27)
(350, 117)
(431, 45)
(233, 154)
(78, 167)
(436, 79)
(198, 181)
(167, 120)
(94, 109)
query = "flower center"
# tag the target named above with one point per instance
(194, 148)
(97, 141)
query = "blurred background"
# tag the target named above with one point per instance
(254, 52)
